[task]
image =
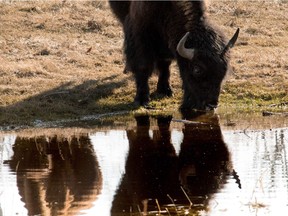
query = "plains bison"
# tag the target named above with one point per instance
(156, 32)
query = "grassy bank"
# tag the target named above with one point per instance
(63, 59)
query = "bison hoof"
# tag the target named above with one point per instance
(165, 92)
(141, 102)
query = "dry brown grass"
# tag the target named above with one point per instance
(63, 59)
(260, 60)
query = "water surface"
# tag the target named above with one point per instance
(149, 165)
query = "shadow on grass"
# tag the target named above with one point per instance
(69, 101)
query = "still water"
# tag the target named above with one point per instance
(150, 166)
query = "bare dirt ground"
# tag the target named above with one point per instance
(63, 59)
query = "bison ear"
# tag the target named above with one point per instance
(231, 42)
(182, 50)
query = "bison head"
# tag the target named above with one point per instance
(203, 66)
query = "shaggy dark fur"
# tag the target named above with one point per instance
(153, 169)
(152, 33)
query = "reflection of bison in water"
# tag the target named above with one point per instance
(156, 32)
(153, 169)
(56, 176)
(204, 158)
(150, 168)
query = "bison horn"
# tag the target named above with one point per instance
(231, 42)
(184, 52)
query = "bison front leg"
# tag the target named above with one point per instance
(163, 86)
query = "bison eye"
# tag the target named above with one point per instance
(197, 72)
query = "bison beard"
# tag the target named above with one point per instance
(158, 32)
